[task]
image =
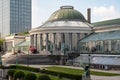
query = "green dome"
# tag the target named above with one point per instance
(66, 13)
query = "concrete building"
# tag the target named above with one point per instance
(61, 31)
(15, 16)
(12, 41)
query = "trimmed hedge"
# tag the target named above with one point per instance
(11, 72)
(49, 72)
(24, 68)
(19, 74)
(44, 77)
(30, 76)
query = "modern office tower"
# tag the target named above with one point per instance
(15, 16)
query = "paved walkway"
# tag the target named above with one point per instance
(105, 78)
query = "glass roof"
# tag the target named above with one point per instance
(24, 43)
(99, 60)
(112, 35)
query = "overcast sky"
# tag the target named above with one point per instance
(101, 9)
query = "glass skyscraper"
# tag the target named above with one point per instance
(15, 16)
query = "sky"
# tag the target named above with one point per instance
(100, 9)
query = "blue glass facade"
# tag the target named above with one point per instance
(15, 16)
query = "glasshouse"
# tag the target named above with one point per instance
(105, 39)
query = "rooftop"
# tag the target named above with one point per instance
(66, 13)
(107, 22)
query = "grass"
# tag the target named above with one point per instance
(80, 71)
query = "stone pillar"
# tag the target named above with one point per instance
(54, 34)
(40, 42)
(35, 41)
(31, 40)
(70, 41)
(78, 38)
(46, 41)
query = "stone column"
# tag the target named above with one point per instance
(54, 34)
(70, 41)
(40, 42)
(31, 40)
(35, 41)
(78, 38)
(46, 41)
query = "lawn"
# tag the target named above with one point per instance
(79, 71)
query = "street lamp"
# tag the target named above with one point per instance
(87, 70)
(89, 65)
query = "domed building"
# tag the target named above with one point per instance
(61, 32)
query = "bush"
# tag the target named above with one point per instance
(19, 74)
(24, 68)
(11, 72)
(30, 76)
(12, 67)
(44, 77)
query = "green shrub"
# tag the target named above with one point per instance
(24, 68)
(30, 76)
(11, 72)
(19, 74)
(44, 77)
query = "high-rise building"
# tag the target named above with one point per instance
(15, 16)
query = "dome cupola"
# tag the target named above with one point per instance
(67, 13)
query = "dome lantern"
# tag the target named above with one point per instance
(66, 7)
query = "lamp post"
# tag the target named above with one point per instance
(88, 70)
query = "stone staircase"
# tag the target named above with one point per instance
(30, 59)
